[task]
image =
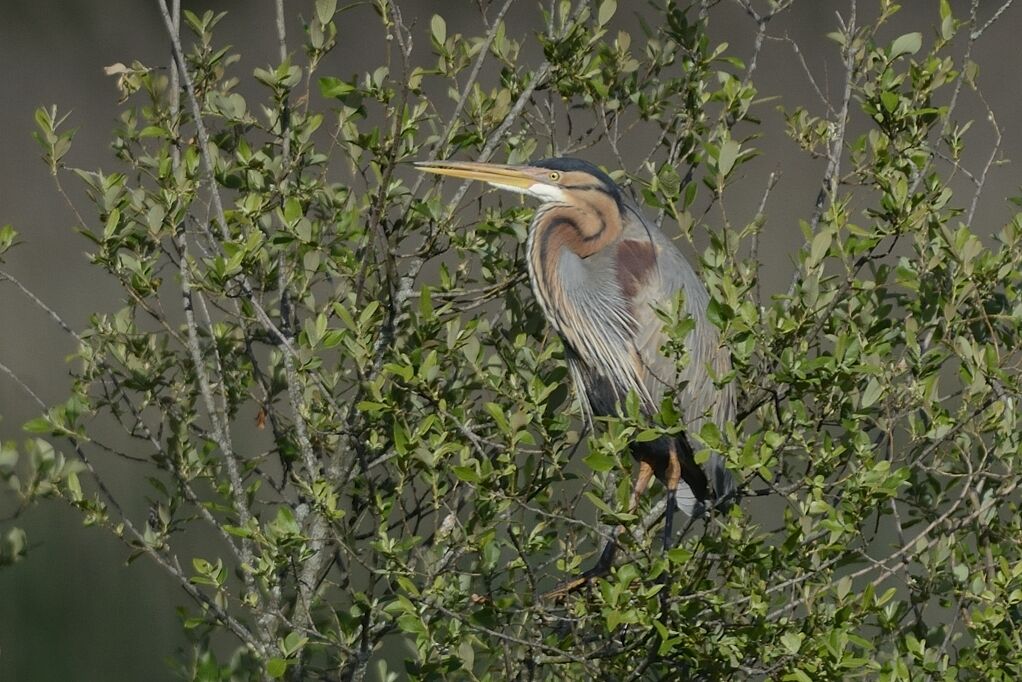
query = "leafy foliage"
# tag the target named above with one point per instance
(336, 366)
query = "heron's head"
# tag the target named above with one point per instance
(561, 180)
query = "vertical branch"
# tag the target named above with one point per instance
(217, 362)
(829, 185)
(286, 331)
(207, 164)
(315, 523)
(285, 107)
(200, 128)
(221, 433)
(219, 420)
(828, 188)
(980, 181)
(762, 20)
(759, 220)
(175, 82)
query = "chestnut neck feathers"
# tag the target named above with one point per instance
(573, 264)
(587, 225)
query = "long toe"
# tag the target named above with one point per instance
(601, 569)
(569, 586)
(672, 507)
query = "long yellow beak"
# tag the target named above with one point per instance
(520, 177)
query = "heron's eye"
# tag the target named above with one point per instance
(554, 176)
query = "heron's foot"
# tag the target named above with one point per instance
(601, 569)
(672, 507)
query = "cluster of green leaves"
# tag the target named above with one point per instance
(882, 392)
(325, 364)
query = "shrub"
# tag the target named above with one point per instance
(335, 367)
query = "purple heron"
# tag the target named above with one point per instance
(597, 268)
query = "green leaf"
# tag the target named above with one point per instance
(872, 392)
(819, 247)
(945, 10)
(373, 407)
(334, 87)
(890, 100)
(38, 425)
(292, 211)
(325, 10)
(294, 642)
(887, 596)
(8, 455)
(717, 313)
(792, 641)
(729, 152)
(647, 435)
(276, 667)
(606, 12)
(7, 236)
(237, 531)
(710, 434)
(680, 555)
(947, 21)
(74, 486)
(466, 473)
(599, 461)
(438, 29)
(971, 72)
(112, 221)
(598, 503)
(906, 44)
(497, 412)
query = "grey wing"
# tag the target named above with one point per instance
(698, 397)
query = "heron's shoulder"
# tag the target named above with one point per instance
(648, 247)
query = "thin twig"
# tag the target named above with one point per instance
(978, 33)
(40, 304)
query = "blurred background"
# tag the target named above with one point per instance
(73, 610)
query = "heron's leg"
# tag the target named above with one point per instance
(642, 480)
(641, 483)
(672, 478)
(606, 560)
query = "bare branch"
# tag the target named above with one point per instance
(978, 33)
(38, 302)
